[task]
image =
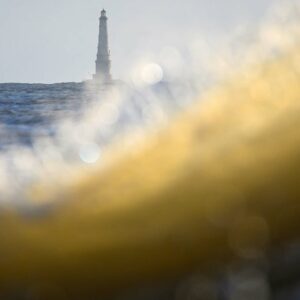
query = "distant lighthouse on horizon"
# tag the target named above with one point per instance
(103, 62)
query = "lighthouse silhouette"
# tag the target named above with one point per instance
(103, 63)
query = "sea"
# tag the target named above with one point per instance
(32, 111)
(28, 111)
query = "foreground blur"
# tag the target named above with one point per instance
(205, 208)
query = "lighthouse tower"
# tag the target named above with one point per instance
(103, 63)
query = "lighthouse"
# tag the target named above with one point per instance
(103, 63)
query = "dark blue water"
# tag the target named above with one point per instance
(29, 110)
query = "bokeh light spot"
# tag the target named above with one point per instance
(90, 153)
(152, 73)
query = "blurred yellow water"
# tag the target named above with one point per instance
(221, 182)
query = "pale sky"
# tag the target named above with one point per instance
(56, 40)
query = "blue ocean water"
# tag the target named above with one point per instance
(30, 110)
